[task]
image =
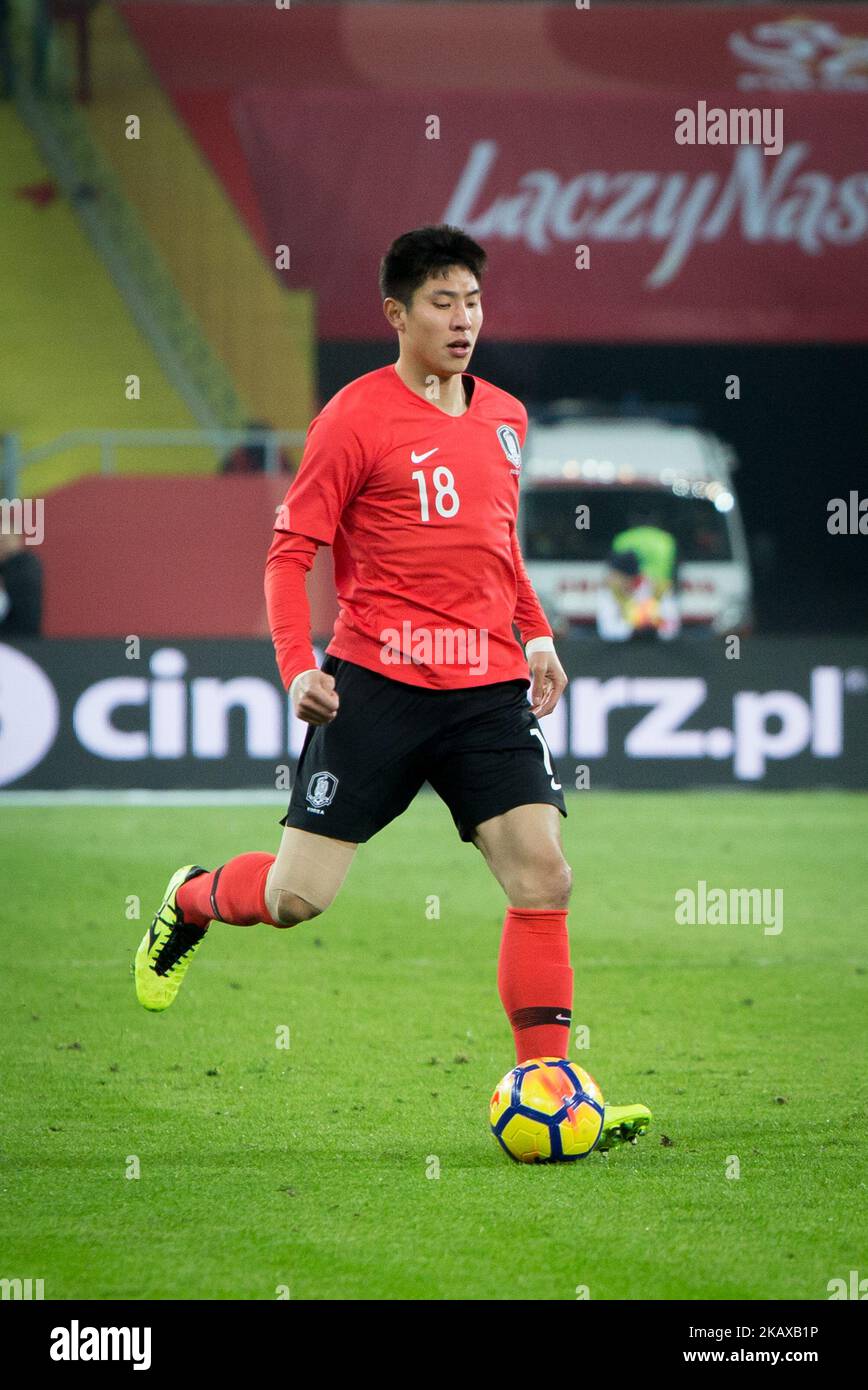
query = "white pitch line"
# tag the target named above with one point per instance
(143, 797)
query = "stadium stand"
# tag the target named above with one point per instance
(67, 340)
(215, 247)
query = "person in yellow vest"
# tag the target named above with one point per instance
(638, 598)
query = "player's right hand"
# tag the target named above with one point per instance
(315, 699)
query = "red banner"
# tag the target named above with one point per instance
(548, 130)
(684, 242)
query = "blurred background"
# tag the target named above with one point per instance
(194, 198)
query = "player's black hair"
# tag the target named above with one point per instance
(415, 255)
(625, 562)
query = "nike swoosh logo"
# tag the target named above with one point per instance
(153, 930)
(420, 458)
(562, 1018)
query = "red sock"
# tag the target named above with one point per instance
(233, 893)
(535, 981)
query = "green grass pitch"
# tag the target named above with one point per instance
(312, 1168)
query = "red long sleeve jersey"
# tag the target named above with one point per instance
(420, 509)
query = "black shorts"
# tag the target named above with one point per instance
(481, 749)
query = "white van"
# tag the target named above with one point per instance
(617, 468)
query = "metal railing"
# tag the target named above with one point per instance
(108, 443)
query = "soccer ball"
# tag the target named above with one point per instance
(547, 1111)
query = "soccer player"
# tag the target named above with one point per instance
(638, 598)
(411, 474)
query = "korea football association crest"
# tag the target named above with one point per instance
(321, 790)
(510, 446)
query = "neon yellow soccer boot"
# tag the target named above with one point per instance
(167, 947)
(623, 1124)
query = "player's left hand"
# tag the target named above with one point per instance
(548, 682)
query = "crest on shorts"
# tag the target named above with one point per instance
(510, 446)
(321, 789)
